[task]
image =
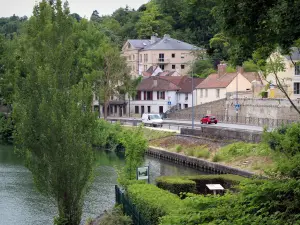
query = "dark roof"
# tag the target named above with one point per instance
(295, 54)
(186, 84)
(149, 84)
(175, 80)
(165, 43)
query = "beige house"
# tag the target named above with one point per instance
(290, 78)
(219, 85)
(167, 53)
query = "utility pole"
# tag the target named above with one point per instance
(193, 95)
(236, 100)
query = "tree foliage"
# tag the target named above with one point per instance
(52, 110)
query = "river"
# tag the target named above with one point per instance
(21, 204)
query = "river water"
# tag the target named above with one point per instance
(21, 204)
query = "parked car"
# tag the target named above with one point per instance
(152, 119)
(208, 119)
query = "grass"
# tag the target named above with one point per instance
(154, 134)
(178, 148)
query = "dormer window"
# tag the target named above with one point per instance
(129, 45)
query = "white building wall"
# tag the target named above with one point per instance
(211, 95)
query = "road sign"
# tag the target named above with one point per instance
(169, 102)
(142, 173)
(237, 106)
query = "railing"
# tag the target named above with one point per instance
(129, 208)
(162, 60)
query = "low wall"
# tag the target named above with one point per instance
(196, 163)
(224, 133)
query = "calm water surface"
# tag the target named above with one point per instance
(21, 204)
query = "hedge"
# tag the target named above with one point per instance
(153, 202)
(196, 184)
(176, 185)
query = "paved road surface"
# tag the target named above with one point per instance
(176, 124)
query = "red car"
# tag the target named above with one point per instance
(208, 119)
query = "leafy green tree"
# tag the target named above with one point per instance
(52, 113)
(152, 21)
(202, 68)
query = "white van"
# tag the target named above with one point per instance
(152, 120)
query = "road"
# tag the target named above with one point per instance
(177, 124)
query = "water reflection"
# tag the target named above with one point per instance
(21, 204)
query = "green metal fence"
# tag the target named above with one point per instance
(129, 208)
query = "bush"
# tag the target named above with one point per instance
(153, 202)
(115, 217)
(232, 151)
(178, 148)
(196, 184)
(216, 158)
(176, 185)
(189, 152)
(202, 153)
(6, 128)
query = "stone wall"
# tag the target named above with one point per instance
(252, 111)
(216, 108)
(224, 133)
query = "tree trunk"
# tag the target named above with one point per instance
(105, 109)
(99, 109)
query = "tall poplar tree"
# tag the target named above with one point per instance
(52, 108)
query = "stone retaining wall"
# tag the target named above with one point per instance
(224, 133)
(196, 163)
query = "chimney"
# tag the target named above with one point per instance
(240, 69)
(221, 69)
(167, 36)
(153, 39)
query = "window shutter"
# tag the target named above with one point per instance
(163, 95)
(145, 95)
(151, 95)
(157, 95)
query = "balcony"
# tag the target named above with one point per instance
(162, 61)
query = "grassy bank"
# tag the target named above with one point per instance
(248, 156)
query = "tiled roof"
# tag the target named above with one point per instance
(214, 81)
(175, 80)
(168, 43)
(165, 43)
(186, 84)
(295, 54)
(149, 84)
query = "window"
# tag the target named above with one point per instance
(186, 96)
(149, 109)
(136, 110)
(186, 106)
(148, 95)
(141, 57)
(182, 67)
(161, 109)
(201, 93)
(218, 93)
(133, 57)
(145, 67)
(162, 66)
(296, 88)
(297, 70)
(173, 55)
(138, 95)
(182, 55)
(145, 57)
(173, 67)
(161, 57)
(130, 57)
(206, 92)
(160, 95)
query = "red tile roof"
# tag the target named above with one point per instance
(176, 80)
(186, 84)
(214, 81)
(157, 84)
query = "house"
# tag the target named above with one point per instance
(290, 78)
(158, 94)
(167, 53)
(184, 95)
(157, 71)
(219, 85)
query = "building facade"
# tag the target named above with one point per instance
(167, 53)
(217, 86)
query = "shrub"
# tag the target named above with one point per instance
(176, 185)
(216, 158)
(6, 128)
(153, 202)
(178, 148)
(189, 152)
(115, 217)
(202, 153)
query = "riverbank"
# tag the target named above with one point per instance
(256, 158)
